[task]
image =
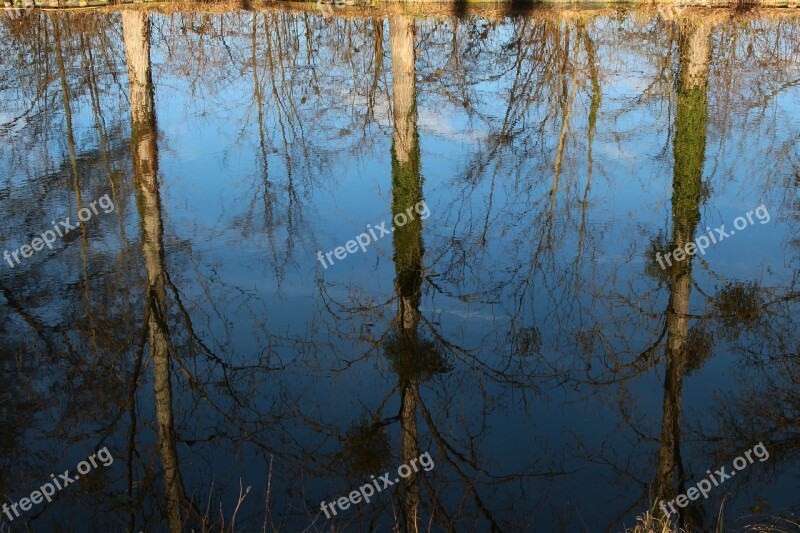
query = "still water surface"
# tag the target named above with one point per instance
(522, 333)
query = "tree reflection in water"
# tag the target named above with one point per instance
(522, 345)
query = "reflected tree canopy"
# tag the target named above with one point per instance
(523, 333)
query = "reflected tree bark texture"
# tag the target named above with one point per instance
(689, 155)
(408, 249)
(136, 34)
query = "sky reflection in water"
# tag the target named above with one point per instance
(523, 334)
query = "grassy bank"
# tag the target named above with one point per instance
(654, 522)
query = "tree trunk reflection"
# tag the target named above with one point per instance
(689, 153)
(136, 34)
(407, 239)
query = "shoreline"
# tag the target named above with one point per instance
(369, 8)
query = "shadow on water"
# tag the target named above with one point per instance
(521, 8)
(511, 8)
